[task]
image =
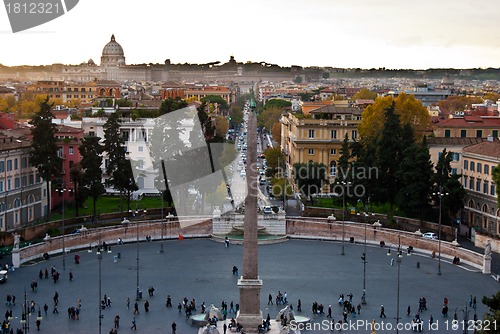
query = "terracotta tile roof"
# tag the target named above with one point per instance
(70, 129)
(469, 122)
(332, 109)
(453, 141)
(486, 148)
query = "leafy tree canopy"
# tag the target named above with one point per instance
(409, 109)
(277, 103)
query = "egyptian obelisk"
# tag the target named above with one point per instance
(250, 315)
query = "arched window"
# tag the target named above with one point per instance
(333, 168)
(17, 203)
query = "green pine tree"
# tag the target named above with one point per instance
(91, 151)
(389, 153)
(43, 154)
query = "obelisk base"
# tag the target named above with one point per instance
(250, 315)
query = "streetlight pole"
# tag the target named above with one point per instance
(343, 214)
(363, 296)
(62, 190)
(138, 293)
(399, 255)
(99, 258)
(162, 223)
(440, 194)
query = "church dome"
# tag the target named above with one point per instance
(112, 48)
(112, 54)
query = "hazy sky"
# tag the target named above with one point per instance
(338, 33)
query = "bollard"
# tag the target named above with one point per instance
(418, 264)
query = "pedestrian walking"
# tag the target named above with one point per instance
(226, 242)
(224, 328)
(128, 303)
(392, 262)
(329, 315)
(270, 299)
(382, 311)
(38, 323)
(136, 308)
(169, 301)
(45, 308)
(299, 306)
(174, 327)
(70, 276)
(408, 311)
(117, 321)
(359, 308)
(134, 326)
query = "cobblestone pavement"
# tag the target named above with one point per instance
(201, 269)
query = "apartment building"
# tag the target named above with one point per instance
(23, 193)
(318, 136)
(481, 205)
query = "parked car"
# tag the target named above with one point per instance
(430, 235)
(267, 210)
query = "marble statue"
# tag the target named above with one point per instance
(17, 239)
(213, 311)
(487, 249)
(287, 313)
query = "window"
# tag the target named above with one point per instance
(32, 179)
(333, 168)
(447, 133)
(455, 156)
(454, 171)
(494, 133)
(69, 89)
(478, 185)
(479, 167)
(479, 133)
(16, 164)
(1, 186)
(485, 187)
(492, 189)
(310, 151)
(38, 178)
(354, 134)
(465, 181)
(9, 185)
(334, 134)
(2, 166)
(466, 164)
(24, 162)
(311, 134)
(71, 150)
(82, 96)
(69, 96)
(91, 134)
(76, 89)
(24, 181)
(463, 133)
(9, 165)
(140, 148)
(471, 183)
(333, 151)
(487, 169)
(472, 166)
(60, 152)
(83, 89)
(17, 183)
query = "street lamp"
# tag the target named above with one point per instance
(465, 321)
(343, 213)
(363, 296)
(138, 293)
(61, 191)
(399, 255)
(25, 321)
(99, 258)
(440, 194)
(162, 225)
